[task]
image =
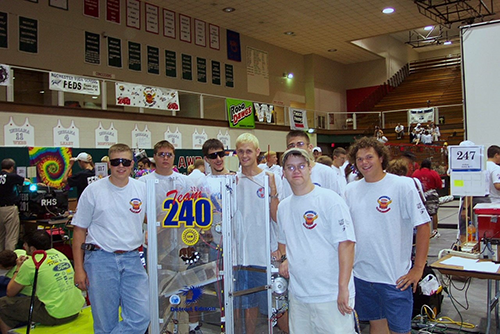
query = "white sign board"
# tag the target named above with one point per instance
(66, 137)
(18, 135)
(74, 84)
(468, 170)
(105, 138)
(466, 158)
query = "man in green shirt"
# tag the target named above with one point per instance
(57, 300)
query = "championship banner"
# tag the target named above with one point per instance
(50, 162)
(423, 115)
(298, 119)
(147, 97)
(74, 84)
(240, 114)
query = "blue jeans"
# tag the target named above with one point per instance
(117, 280)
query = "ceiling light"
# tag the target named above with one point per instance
(42, 92)
(228, 9)
(311, 130)
(94, 97)
(447, 43)
(388, 10)
(332, 50)
(288, 75)
(289, 33)
(428, 28)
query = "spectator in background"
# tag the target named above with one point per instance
(400, 131)
(493, 168)
(434, 130)
(198, 172)
(317, 152)
(426, 138)
(339, 158)
(9, 198)
(83, 178)
(325, 160)
(381, 138)
(270, 164)
(431, 182)
(144, 163)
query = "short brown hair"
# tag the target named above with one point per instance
(298, 133)
(117, 148)
(162, 144)
(398, 167)
(367, 142)
(211, 144)
(325, 160)
(338, 151)
(8, 259)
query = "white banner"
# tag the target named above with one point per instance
(19, 135)
(4, 75)
(141, 139)
(66, 137)
(298, 119)
(225, 139)
(148, 97)
(423, 115)
(175, 138)
(74, 84)
(105, 138)
(199, 139)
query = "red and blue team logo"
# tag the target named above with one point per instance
(310, 217)
(383, 204)
(260, 192)
(136, 205)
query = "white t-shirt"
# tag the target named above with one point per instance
(312, 226)
(426, 139)
(494, 177)
(251, 221)
(276, 169)
(196, 177)
(322, 176)
(384, 214)
(342, 181)
(113, 216)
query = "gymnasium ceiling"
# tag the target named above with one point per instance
(318, 25)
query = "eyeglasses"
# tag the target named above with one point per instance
(214, 155)
(117, 162)
(165, 155)
(297, 144)
(293, 168)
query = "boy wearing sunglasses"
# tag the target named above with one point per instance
(108, 231)
(316, 238)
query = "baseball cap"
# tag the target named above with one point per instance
(85, 157)
(317, 148)
(295, 151)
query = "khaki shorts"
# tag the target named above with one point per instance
(14, 312)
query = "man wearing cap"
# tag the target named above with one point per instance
(108, 232)
(9, 197)
(83, 178)
(316, 240)
(317, 152)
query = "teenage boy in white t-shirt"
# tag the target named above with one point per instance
(251, 227)
(385, 208)
(317, 236)
(321, 175)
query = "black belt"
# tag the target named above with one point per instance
(92, 247)
(3, 205)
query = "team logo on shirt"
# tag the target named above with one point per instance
(310, 217)
(383, 204)
(136, 205)
(260, 192)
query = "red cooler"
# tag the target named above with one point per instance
(488, 220)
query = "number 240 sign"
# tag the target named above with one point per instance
(466, 158)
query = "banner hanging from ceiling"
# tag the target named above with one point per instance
(135, 95)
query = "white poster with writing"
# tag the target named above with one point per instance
(225, 139)
(152, 24)
(134, 14)
(66, 137)
(134, 95)
(74, 84)
(141, 139)
(175, 138)
(199, 139)
(105, 138)
(18, 135)
(422, 115)
(298, 119)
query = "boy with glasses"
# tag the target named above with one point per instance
(321, 175)
(317, 238)
(108, 226)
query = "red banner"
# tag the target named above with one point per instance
(113, 11)
(91, 8)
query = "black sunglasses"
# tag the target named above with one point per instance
(117, 162)
(214, 155)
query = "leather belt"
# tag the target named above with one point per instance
(92, 247)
